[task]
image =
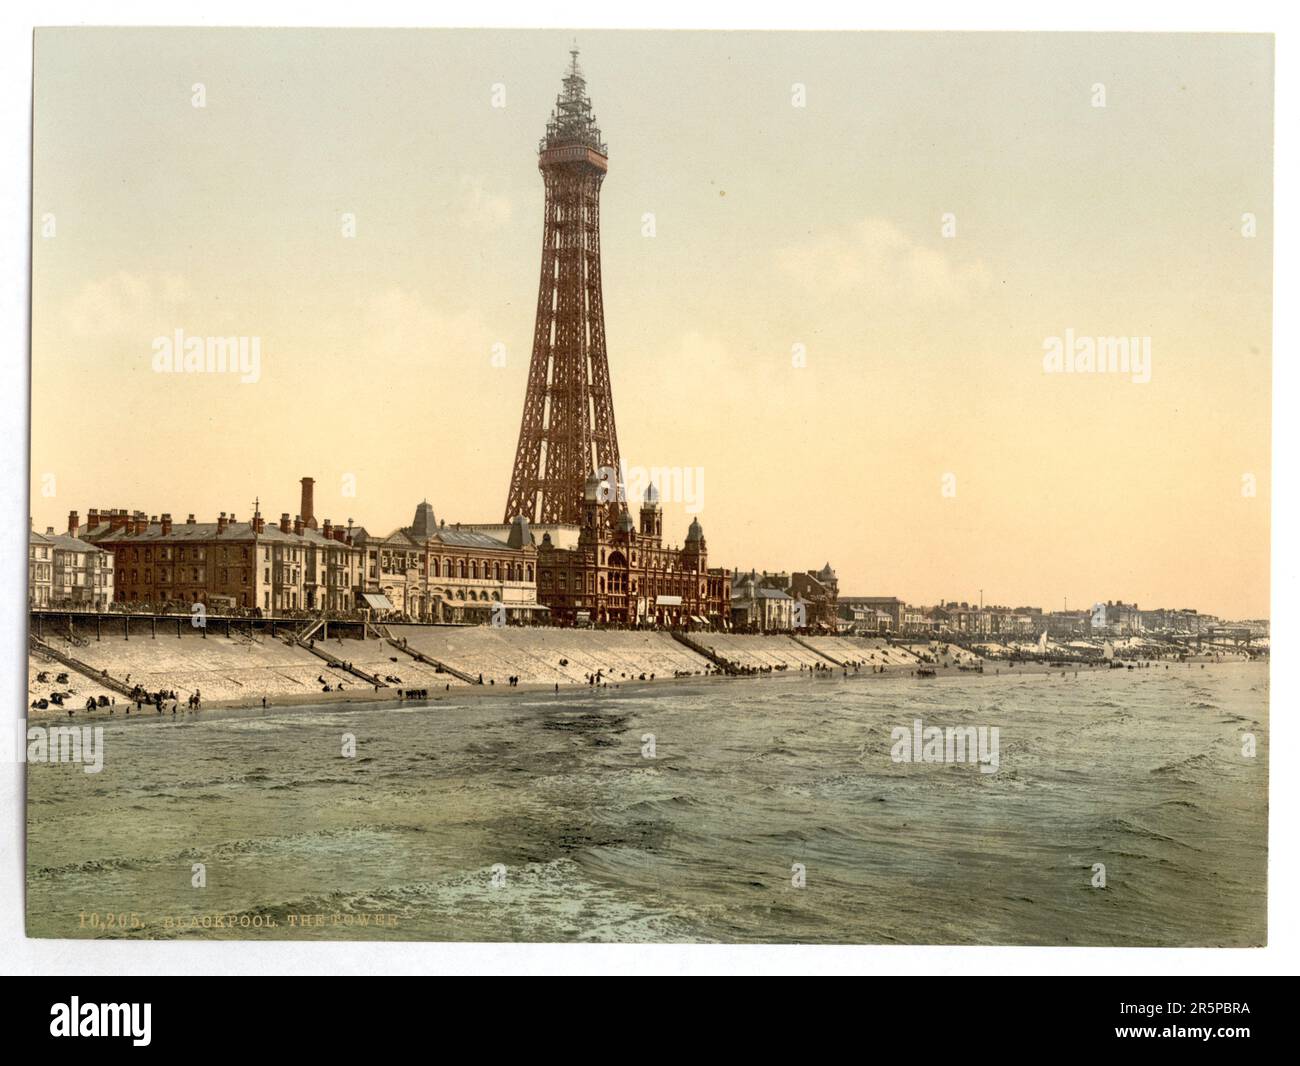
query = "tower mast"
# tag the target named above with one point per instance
(567, 429)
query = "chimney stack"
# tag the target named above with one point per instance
(284, 522)
(92, 518)
(74, 523)
(297, 524)
(166, 524)
(221, 523)
(308, 508)
(326, 531)
(189, 520)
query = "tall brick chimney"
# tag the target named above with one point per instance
(74, 523)
(166, 524)
(308, 508)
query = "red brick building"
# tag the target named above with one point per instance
(621, 573)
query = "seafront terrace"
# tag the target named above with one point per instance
(221, 668)
(243, 661)
(552, 656)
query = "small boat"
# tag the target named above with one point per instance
(924, 671)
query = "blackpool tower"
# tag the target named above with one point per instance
(567, 429)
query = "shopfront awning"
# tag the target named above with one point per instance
(377, 600)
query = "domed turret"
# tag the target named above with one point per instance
(652, 516)
(695, 533)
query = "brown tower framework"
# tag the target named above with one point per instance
(568, 424)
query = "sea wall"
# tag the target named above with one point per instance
(245, 666)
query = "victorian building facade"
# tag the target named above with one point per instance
(431, 572)
(622, 573)
(63, 571)
(226, 564)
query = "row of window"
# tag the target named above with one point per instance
(617, 584)
(169, 554)
(488, 571)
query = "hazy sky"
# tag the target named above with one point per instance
(922, 449)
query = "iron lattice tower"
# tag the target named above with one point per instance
(567, 429)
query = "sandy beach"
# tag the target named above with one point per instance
(370, 697)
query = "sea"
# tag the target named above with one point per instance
(1128, 807)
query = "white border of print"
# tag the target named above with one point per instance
(21, 955)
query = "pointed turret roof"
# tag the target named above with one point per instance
(423, 524)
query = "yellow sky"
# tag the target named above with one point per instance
(775, 226)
